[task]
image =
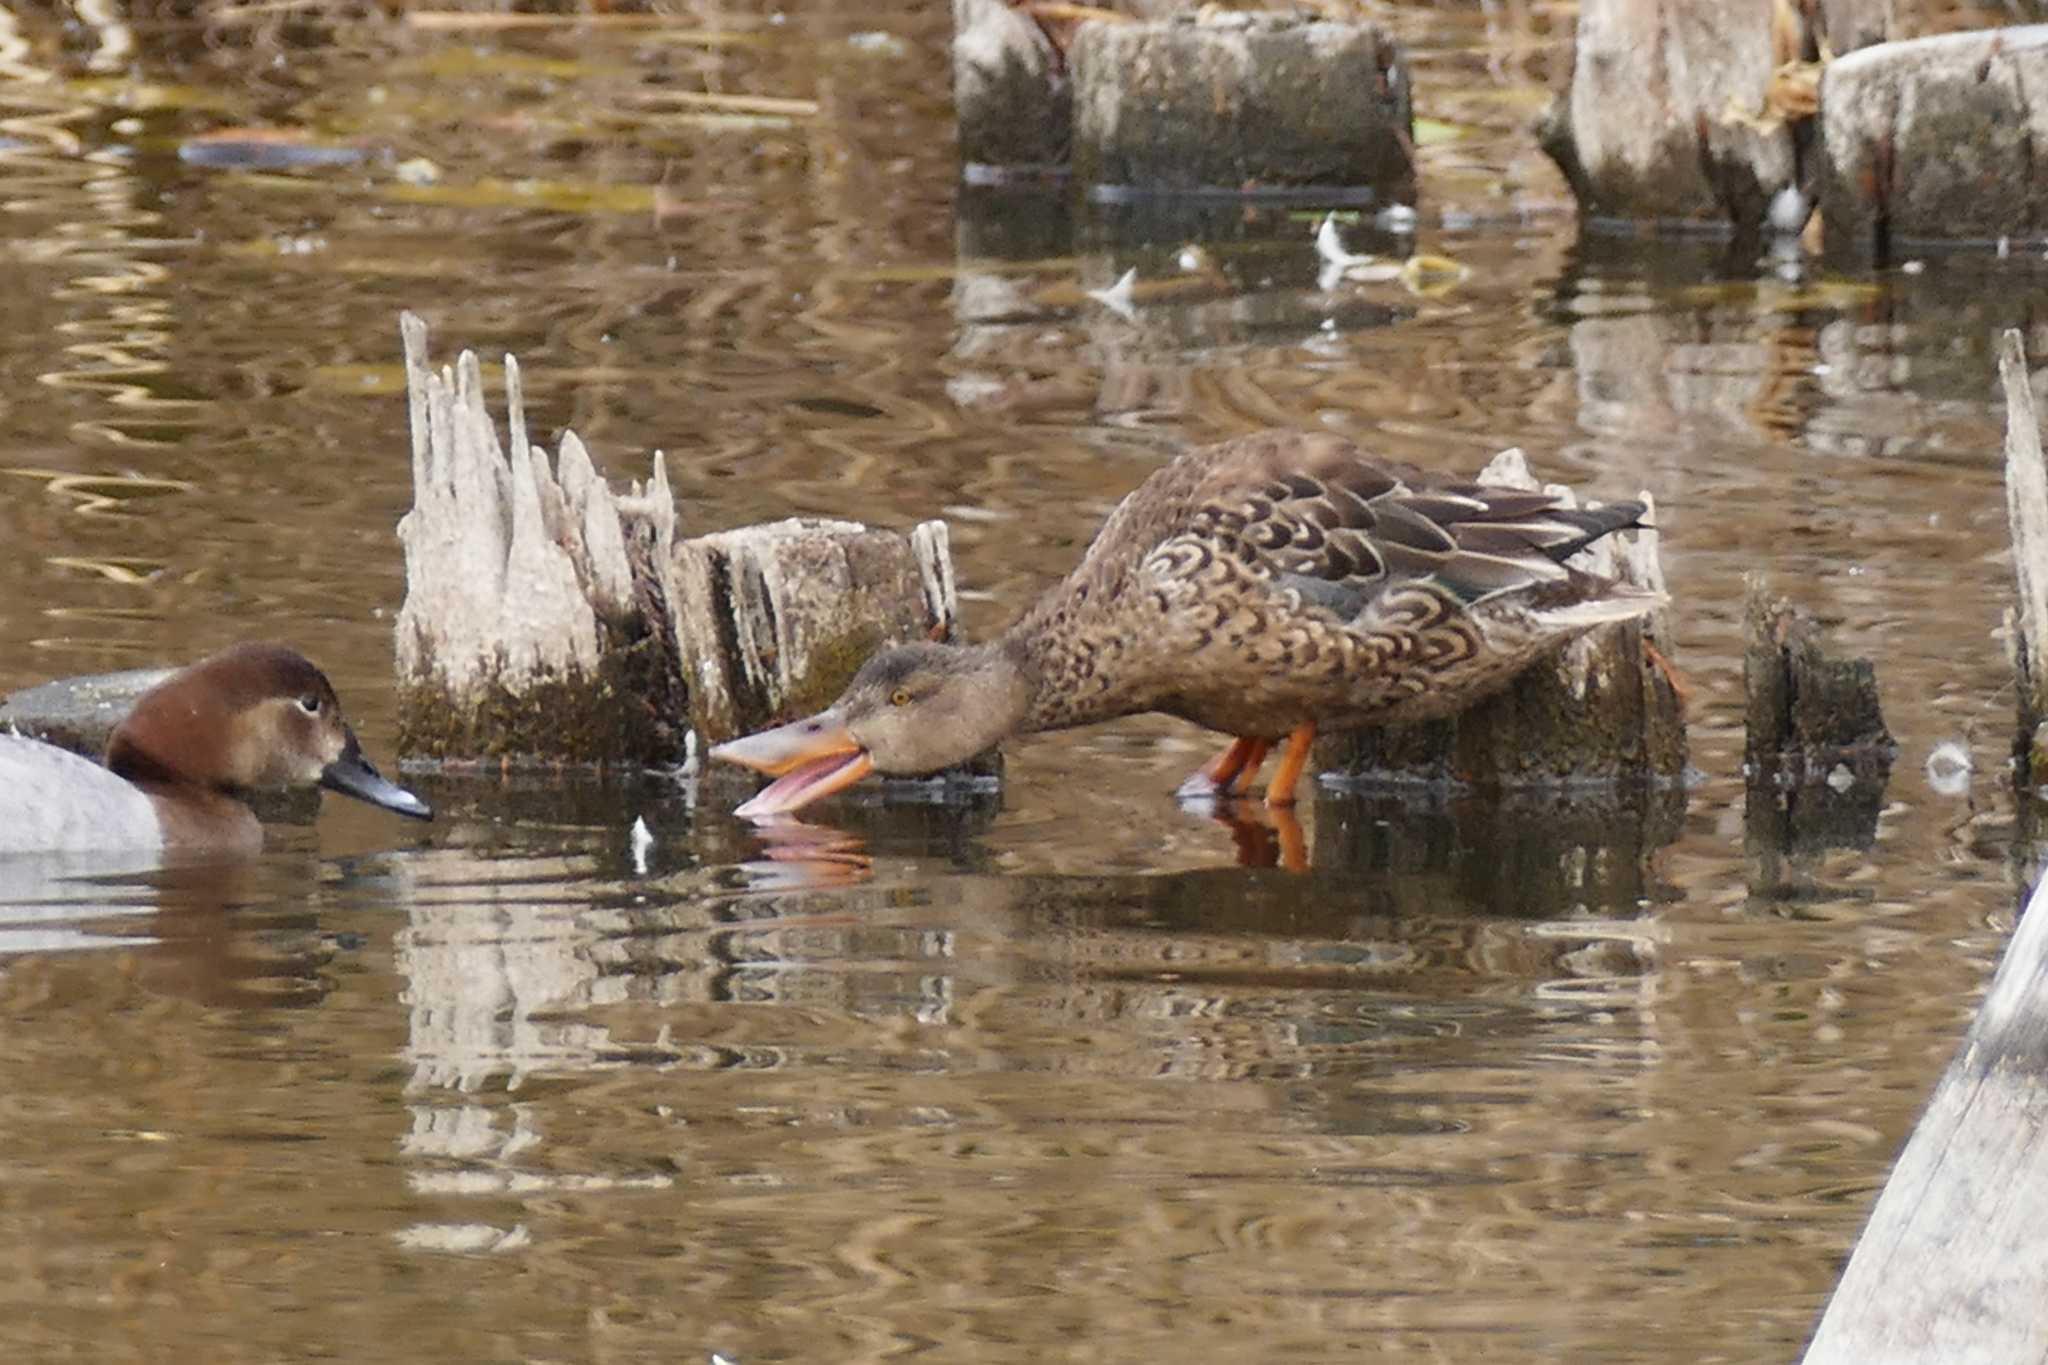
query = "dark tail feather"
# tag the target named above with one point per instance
(1593, 523)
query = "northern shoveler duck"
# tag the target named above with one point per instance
(1267, 587)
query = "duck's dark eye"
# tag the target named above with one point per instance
(900, 697)
(310, 704)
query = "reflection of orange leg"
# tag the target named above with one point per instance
(1222, 772)
(1293, 848)
(1280, 791)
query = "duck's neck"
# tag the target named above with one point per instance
(1075, 663)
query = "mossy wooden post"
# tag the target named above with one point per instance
(2026, 509)
(1952, 1266)
(548, 620)
(1934, 139)
(1242, 101)
(1602, 711)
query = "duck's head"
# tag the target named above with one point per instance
(250, 717)
(911, 710)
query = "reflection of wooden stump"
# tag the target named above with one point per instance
(549, 620)
(1602, 711)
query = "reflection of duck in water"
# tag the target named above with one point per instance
(1267, 587)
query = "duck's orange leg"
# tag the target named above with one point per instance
(1294, 758)
(1224, 773)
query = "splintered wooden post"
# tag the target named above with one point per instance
(533, 629)
(1602, 711)
(778, 617)
(2026, 509)
(1952, 1265)
(548, 620)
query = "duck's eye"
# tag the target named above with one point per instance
(900, 697)
(310, 704)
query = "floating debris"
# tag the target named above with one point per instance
(1117, 298)
(1949, 767)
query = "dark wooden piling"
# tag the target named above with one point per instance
(1603, 711)
(1816, 753)
(549, 620)
(1952, 1264)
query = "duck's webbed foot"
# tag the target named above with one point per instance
(1230, 771)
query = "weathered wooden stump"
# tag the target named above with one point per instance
(1239, 101)
(1934, 139)
(2026, 509)
(1640, 131)
(549, 621)
(1602, 712)
(1010, 93)
(1952, 1264)
(1697, 111)
(1816, 753)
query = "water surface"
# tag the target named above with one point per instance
(1044, 1077)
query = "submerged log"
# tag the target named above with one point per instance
(1934, 139)
(1242, 102)
(1602, 711)
(2026, 509)
(1952, 1264)
(549, 620)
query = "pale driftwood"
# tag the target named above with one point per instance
(1242, 101)
(1010, 92)
(1603, 711)
(1934, 139)
(549, 620)
(2026, 510)
(1952, 1266)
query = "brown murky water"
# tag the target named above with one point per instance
(1057, 1080)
